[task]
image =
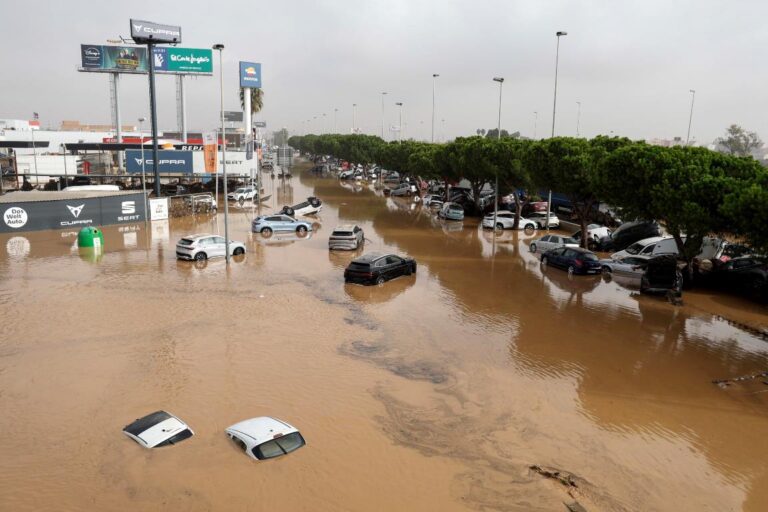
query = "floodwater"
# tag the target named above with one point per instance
(433, 392)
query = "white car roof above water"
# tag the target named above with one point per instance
(262, 429)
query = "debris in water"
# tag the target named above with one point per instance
(724, 383)
(564, 477)
(575, 507)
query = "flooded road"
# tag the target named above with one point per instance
(437, 391)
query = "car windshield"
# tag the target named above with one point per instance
(342, 233)
(456, 208)
(280, 446)
(569, 240)
(635, 248)
(239, 191)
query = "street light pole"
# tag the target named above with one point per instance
(335, 112)
(535, 123)
(498, 137)
(354, 112)
(690, 117)
(557, 59)
(220, 47)
(382, 114)
(143, 167)
(400, 122)
(434, 75)
(578, 118)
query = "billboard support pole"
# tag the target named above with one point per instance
(116, 106)
(181, 107)
(153, 116)
(248, 131)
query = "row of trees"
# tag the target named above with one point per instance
(693, 192)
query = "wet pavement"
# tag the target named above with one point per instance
(432, 392)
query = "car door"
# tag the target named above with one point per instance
(555, 257)
(556, 241)
(544, 244)
(380, 268)
(218, 246)
(395, 267)
(287, 223)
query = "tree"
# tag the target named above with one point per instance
(257, 99)
(508, 156)
(746, 209)
(738, 141)
(493, 133)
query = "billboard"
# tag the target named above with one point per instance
(233, 116)
(143, 32)
(210, 150)
(178, 162)
(133, 59)
(260, 124)
(250, 74)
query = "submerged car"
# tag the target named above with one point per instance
(403, 189)
(594, 233)
(433, 200)
(309, 207)
(629, 266)
(549, 242)
(265, 437)
(451, 211)
(573, 259)
(242, 194)
(266, 224)
(649, 247)
(347, 237)
(203, 246)
(376, 268)
(662, 275)
(505, 219)
(627, 234)
(540, 218)
(158, 429)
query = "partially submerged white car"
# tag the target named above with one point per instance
(505, 219)
(265, 438)
(158, 429)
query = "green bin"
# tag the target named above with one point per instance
(90, 237)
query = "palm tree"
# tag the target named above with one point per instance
(257, 99)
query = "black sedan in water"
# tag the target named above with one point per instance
(375, 268)
(573, 259)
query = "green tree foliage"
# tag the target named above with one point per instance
(737, 141)
(746, 208)
(257, 99)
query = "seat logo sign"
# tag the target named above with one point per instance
(75, 210)
(128, 211)
(15, 217)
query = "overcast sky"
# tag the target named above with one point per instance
(631, 64)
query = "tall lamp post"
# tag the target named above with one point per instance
(498, 137)
(557, 59)
(400, 122)
(690, 117)
(554, 112)
(143, 169)
(535, 123)
(434, 75)
(335, 113)
(578, 117)
(220, 47)
(382, 114)
(354, 113)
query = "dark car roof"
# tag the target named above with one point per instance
(368, 258)
(142, 424)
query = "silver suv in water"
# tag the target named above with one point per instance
(348, 237)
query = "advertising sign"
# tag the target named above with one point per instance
(133, 59)
(209, 151)
(158, 208)
(260, 124)
(128, 59)
(72, 213)
(250, 74)
(183, 60)
(168, 161)
(143, 32)
(233, 116)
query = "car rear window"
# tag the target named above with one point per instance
(588, 256)
(360, 266)
(280, 446)
(456, 208)
(341, 233)
(186, 241)
(184, 434)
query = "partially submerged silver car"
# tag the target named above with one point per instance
(347, 237)
(158, 429)
(265, 438)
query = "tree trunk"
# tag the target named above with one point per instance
(518, 209)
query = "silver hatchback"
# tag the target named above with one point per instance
(348, 237)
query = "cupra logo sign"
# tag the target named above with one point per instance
(75, 210)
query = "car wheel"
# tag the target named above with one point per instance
(591, 245)
(544, 261)
(529, 228)
(241, 201)
(413, 268)
(500, 226)
(380, 280)
(238, 251)
(533, 247)
(201, 256)
(266, 232)
(607, 270)
(302, 230)
(571, 270)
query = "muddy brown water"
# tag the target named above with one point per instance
(433, 392)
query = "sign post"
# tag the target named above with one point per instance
(146, 32)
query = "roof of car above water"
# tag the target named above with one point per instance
(262, 429)
(155, 428)
(368, 258)
(198, 235)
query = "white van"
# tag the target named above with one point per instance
(648, 247)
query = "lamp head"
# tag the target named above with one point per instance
(498, 79)
(218, 46)
(562, 33)
(435, 75)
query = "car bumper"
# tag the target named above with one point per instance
(357, 278)
(184, 255)
(343, 245)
